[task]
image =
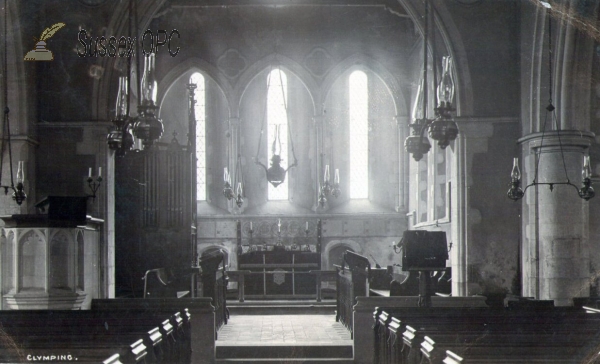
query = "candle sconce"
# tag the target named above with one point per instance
(327, 188)
(279, 241)
(94, 185)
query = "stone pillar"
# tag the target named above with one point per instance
(403, 166)
(472, 139)
(555, 247)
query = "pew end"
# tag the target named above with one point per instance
(452, 358)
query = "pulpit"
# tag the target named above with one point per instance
(50, 263)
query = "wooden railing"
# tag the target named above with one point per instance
(351, 282)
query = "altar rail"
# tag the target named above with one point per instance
(485, 335)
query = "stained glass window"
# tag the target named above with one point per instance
(277, 128)
(359, 135)
(200, 112)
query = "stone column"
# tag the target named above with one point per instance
(555, 248)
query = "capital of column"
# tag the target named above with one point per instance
(572, 140)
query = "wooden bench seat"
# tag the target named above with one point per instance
(416, 335)
(90, 336)
(197, 316)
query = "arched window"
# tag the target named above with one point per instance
(277, 126)
(200, 112)
(359, 135)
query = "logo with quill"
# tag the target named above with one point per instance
(40, 52)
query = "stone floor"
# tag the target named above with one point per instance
(273, 330)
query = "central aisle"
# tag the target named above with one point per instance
(276, 337)
(283, 330)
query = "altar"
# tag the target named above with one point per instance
(280, 274)
(276, 256)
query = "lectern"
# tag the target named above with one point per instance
(424, 251)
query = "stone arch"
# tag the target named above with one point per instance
(188, 67)
(62, 261)
(173, 98)
(213, 248)
(449, 38)
(118, 24)
(361, 61)
(335, 246)
(286, 64)
(32, 261)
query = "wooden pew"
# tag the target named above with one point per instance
(82, 336)
(350, 284)
(364, 340)
(214, 285)
(199, 325)
(423, 330)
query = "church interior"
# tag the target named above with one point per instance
(256, 162)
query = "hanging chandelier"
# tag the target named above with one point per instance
(18, 194)
(586, 191)
(442, 128)
(276, 173)
(146, 126)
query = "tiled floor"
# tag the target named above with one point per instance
(273, 330)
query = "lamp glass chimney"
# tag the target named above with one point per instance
(446, 87)
(417, 111)
(20, 173)
(149, 88)
(586, 171)
(516, 173)
(121, 107)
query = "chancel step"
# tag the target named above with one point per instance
(280, 307)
